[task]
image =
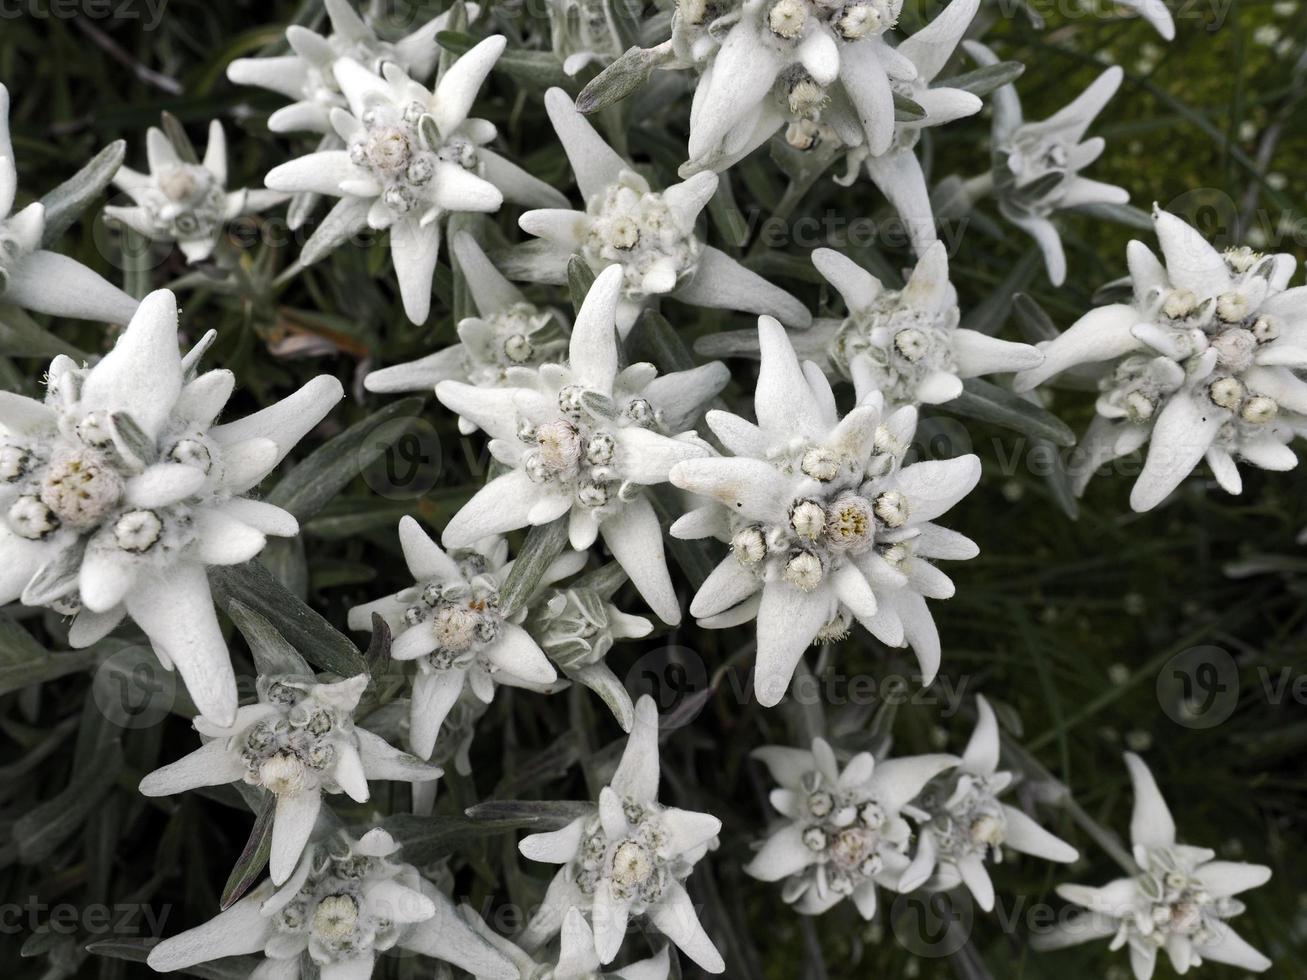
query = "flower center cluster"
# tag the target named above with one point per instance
(400, 149)
(185, 202)
(633, 227)
(521, 336)
(1033, 172)
(292, 751)
(903, 344)
(966, 817)
(633, 865)
(462, 615)
(1178, 904)
(576, 627)
(848, 832)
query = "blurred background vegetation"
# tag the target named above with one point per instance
(1070, 626)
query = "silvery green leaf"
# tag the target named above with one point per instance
(591, 606)
(541, 814)
(537, 68)
(543, 544)
(603, 581)
(726, 215)
(598, 405)
(253, 858)
(322, 644)
(300, 207)
(23, 661)
(627, 19)
(429, 838)
(1121, 214)
(984, 80)
(580, 277)
(138, 950)
(655, 340)
(40, 831)
(1040, 187)
(176, 133)
(65, 203)
(131, 441)
(21, 336)
(628, 73)
(991, 312)
(1057, 478)
(273, 656)
(1117, 291)
(308, 487)
(429, 132)
(455, 21)
(1035, 324)
(949, 198)
(57, 577)
(905, 110)
(601, 679)
(988, 402)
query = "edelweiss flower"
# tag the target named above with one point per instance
(584, 443)
(297, 742)
(305, 75)
(895, 170)
(649, 233)
(35, 279)
(628, 858)
(1200, 364)
(1037, 165)
(186, 203)
(823, 525)
(1178, 902)
(118, 489)
(577, 627)
(449, 622)
(811, 64)
(348, 901)
(577, 959)
(501, 348)
(845, 833)
(967, 823)
(411, 156)
(906, 342)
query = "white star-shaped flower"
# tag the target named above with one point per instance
(650, 234)
(824, 525)
(576, 958)
(118, 489)
(411, 156)
(499, 348)
(347, 902)
(584, 443)
(33, 278)
(305, 74)
(1199, 365)
(449, 622)
(844, 831)
(297, 741)
(905, 343)
(628, 858)
(1037, 164)
(967, 824)
(1179, 902)
(186, 203)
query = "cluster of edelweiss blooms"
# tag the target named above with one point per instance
(121, 486)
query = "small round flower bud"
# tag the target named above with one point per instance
(871, 815)
(814, 838)
(431, 593)
(1232, 307)
(560, 445)
(518, 349)
(413, 112)
(1265, 329)
(987, 830)
(358, 153)
(787, 18)
(592, 495)
(911, 344)
(803, 571)
(640, 411)
(806, 97)
(857, 21)
(820, 464)
(335, 919)
(820, 804)
(1179, 304)
(29, 518)
(398, 198)
(1226, 392)
(850, 523)
(321, 755)
(872, 866)
(414, 615)
(633, 864)
(808, 518)
(388, 150)
(892, 508)
(624, 234)
(94, 430)
(749, 545)
(420, 169)
(536, 470)
(138, 530)
(1259, 410)
(599, 450)
(570, 399)
(192, 452)
(1139, 407)
(14, 463)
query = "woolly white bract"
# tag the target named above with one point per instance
(33, 278)
(1199, 365)
(844, 832)
(584, 443)
(824, 523)
(298, 742)
(119, 488)
(186, 203)
(1178, 902)
(628, 858)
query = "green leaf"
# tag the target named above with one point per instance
(1121, 214)
(65, 203)
(905, 110)
(580, 277)
(430, 838)
(543, 544)
(988, 402)
(655, 340)
(42, 829)
(132, 440)
(537, 68)
(985, 80)
(176, 133)
(254, 858)
(627, 74)
(308, 487)
(272, 654)
(138, 950)
(988, 315)
(320, 643)
(21, 336)
(1035, 324)
(549, 814)
(726, 215)
(23, 661)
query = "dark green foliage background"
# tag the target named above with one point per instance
(1066, 625)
